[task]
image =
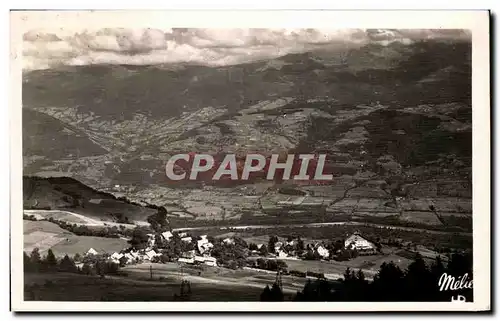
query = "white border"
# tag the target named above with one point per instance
(476, 21)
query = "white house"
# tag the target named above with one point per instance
(323, 252)
(210, 261)
(228, 241)
(187, 239)
(115, 257)
(207, 260)
(204, 246)
(167, 235)
(186, 260)
(357, 242)
(135, 255)
(91, 251)
(150, 255)
(130, 258)
(277, 246)
(183, 234)
(282, 254)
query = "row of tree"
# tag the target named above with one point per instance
(78, 229)
(269, 264)
(418, 283)
(92, 264)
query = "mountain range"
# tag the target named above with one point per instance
(395, 122)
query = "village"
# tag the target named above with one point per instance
(232, 252)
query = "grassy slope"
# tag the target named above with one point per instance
(72, 287)
(68, 242)
(69, 194)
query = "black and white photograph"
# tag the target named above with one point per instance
(273, 165)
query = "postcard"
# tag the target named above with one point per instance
(250, 161)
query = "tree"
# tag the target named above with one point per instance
(299, 246)
(139, 238)
(360, 275)
(261, 263)
(28, 266)
(67, 265)
(308, 293)
(281, 265)
(240, 242)
(158, 221)
(276, 293)
(460, 264)
(174, 247)
(437, 268)
(388, 283)
(263, 250)
(50, 261)
(252, 247)
(266, 294)
(349, 275)
(272, 265)
(35, 258)
(344, 255)
(111, 268)
(310, 255)
(353, 287)
(100, 268)
(164, 258)
(272, 241)
(77, 257)
(86, 269)
(419, 281)
(159, 242)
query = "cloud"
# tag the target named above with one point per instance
(44, 49)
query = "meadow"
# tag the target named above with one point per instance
(45, 235)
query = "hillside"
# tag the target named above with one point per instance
(395, 122)
(64, 193)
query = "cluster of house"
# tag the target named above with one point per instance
(353, 242)
(203, 248)
(201, 255)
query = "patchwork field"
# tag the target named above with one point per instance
(421, 217)
(45, 235)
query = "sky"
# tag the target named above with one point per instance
(49, 48)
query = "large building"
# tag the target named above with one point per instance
(357, 242)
